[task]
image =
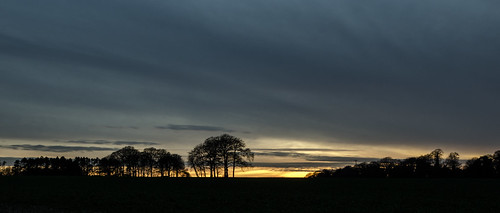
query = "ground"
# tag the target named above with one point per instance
(105, 194)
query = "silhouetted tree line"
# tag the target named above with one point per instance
(128, 161)
(219, 154)
(215, 156)
(429, 165)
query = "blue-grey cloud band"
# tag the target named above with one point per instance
(56, 148)
(128, 143)
(194, 128)
(310, 157)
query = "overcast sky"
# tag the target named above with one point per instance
(86, 75)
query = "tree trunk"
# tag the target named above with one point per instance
(234, 161)
(195, 171)
(226, 169)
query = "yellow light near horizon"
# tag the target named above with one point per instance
(261, 172)
(295, 174)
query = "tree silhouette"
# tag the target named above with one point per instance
(496, 162)
(177, 165)
(242, 157)
(129, 159)
(124, 162)
(149, 158)
(452, 162)
(436, 155)
(480, 167)
(428, 165)
(223, 152)
(161, 158)
(220, 152)
(197, 159)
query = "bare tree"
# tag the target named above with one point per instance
(197, 159)
(242, 158)
(218, 153)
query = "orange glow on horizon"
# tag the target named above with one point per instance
(263, 172)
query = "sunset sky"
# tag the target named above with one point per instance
(306, 84)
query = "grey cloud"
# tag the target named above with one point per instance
(309, 157)
(195, 128)
(112, 142)
(300, 165)
(56, 148)
(134, 143)
(121, 127)
(89, 141)
(340, 158)
(283, 154)
(304, 149)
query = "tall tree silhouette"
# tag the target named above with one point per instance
(452, 161)
(149, 158)
(177, 165)
(242, 157)
(220, 152)
(197, 159)
(436, 155)
(162, 157)
(129, 159)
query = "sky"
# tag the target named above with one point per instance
(306, 84)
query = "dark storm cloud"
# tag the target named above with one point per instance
(195, 128)
(56, 148)
(363, 72)
(113, 142)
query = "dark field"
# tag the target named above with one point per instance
(101, 194)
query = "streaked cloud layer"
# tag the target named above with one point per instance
(194, 128)
(56, 148)
(413, 73)
(126, 143)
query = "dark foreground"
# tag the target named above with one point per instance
(101, 194)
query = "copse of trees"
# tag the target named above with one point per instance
(128, 161)
(429, 165)
(216, 156)
(151, 162)
(220, 154)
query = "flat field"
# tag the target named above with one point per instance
(105, 194)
